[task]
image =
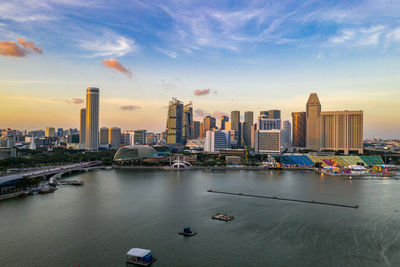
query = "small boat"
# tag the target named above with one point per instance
(222, 217)
(25, 193)
(140, 257)
(46, 190)
(187, 232)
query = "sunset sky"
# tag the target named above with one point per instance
(222, 55)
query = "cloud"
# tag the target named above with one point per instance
(110, 44)
(114, 64)
(170, 53)
(363, 36)
(219, 114)
(199, 92)
(10, 48)
(201, 113)
(30, 45)
(130, 107)
(75, 100)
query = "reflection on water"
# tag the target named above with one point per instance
(115, 210)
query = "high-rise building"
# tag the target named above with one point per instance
(196, 129)
(151, 139)
(228, 125)
(299, 122)
(342, 131)
(248, 122)
(114, 137)
(103, 135)
(60, 132)
(125, 138)
(208, 124)
(175, 122)
(92, 118)
(271, 114)
(236, 126)
(313, 112)
(287, 130)
(82, 132)
(268, 141)
(216, 140)
(333, 130)
(265, 123)
(50, 132)
(224, 119)
(201, 130)
(138, 137)
(274, 114)
(188, 126)
(253, 132)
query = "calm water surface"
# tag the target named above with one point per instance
(94, 225)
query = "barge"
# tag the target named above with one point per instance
(139, 257)
(222, 217)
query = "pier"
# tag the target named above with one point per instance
(287, 199)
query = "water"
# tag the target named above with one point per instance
(94, 225)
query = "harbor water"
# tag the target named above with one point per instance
(115, 210)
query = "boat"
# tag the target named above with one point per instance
(139, 257)
(187, 232)
(222, 217)
(25, 193)
(46, 190)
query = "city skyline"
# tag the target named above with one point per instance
(227, 57)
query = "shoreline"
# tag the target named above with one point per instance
(166, 168)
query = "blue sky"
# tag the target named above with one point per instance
(252, 55)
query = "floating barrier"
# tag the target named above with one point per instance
(286, 199)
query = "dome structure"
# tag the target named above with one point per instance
(135, 152)
(162, 149)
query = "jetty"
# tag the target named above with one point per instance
(286, 199)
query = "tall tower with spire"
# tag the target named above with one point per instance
(313, 133)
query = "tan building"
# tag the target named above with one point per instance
(313, 111)
(114, 137)
(103, 136)
(333, 130)
(92, 119)
(50, 132)
(342, 131)
(299, 130)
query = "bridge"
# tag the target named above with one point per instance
(54, 170)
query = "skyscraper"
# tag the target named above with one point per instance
(265, 123)
(188, 127)
(208, 124)
(313, 109)
(82, 133)
(299, 121)
(287, 128)
(50, 132)
(274, 114)
(92, 118)
(175, 122)
(114, 137)
(224, 119)
(248, 122)
(103, 136)
(333, 130)
(196, 129)
(236, 126)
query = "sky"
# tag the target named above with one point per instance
(221, 55)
